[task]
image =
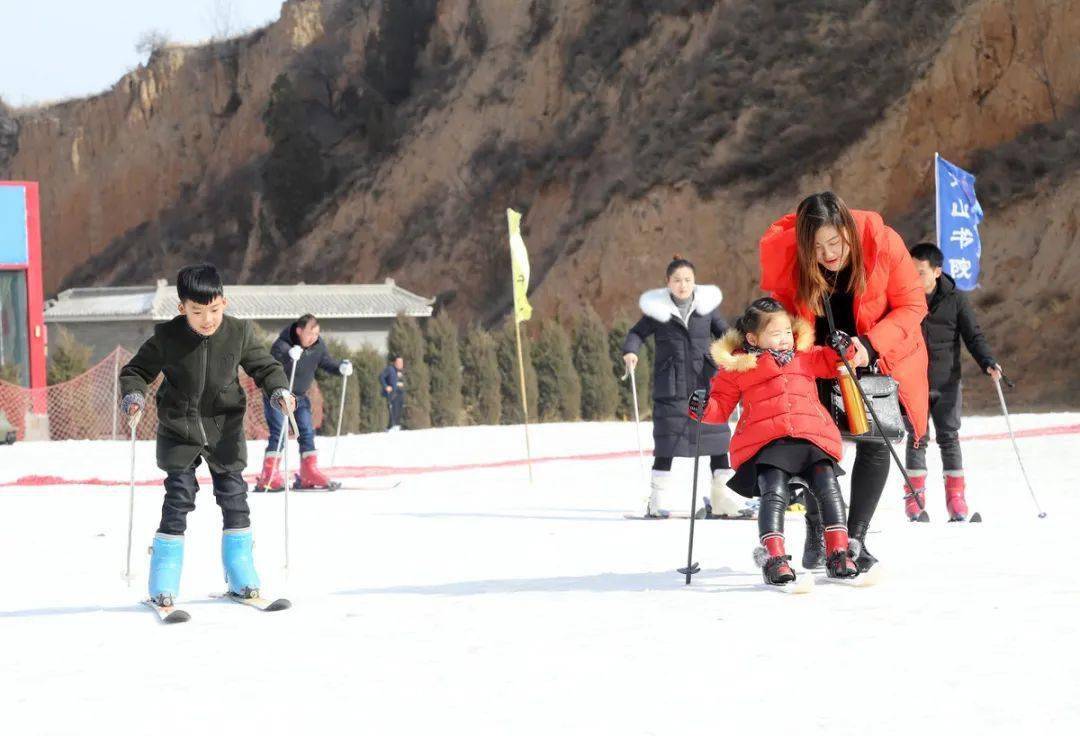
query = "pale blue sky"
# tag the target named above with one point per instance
(54, 49)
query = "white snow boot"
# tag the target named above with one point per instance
(724, 503)
(661, 481)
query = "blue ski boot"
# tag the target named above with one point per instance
(166, 562)
(239, 564)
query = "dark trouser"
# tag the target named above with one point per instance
(275, 418)
(945, 407)
(230, 492)
(773, 485)
(395, 405)
(716, 462)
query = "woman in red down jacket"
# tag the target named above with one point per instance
(826, 251)
(769, 365)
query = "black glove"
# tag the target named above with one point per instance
(840, 342)
(698, 401)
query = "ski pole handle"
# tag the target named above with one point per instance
(1006, 379)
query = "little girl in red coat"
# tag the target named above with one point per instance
(770, 366)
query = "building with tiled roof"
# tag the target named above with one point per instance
(356, 314)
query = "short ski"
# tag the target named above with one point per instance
(168, 614)
(262, 604)
(801, 585)
(375, 486)
(331, 486)
(862, 580)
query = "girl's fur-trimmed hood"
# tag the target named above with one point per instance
(657, 303)
(728, 353)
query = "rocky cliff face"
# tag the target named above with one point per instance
(625, 131)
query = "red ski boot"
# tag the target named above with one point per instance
(775, 568)
(839, 563)
(917, 490)
(270, 479)
(310, 477)
(954, 498)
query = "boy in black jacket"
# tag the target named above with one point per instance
(201, 406)
(950, 318)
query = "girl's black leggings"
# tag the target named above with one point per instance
(716, 462)
(773, 485)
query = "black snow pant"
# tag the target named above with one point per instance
(716, 462)
(230, 491)
(945, 407)
(773, 486)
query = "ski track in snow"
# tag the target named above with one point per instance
(470, 602)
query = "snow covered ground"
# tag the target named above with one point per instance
(468, 601)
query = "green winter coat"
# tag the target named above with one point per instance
(200, 403)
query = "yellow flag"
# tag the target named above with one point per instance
(519, 263)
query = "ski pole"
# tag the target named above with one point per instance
(1016, 449)
(340, 416)
(133, 422)
(691, 566)
(294, 353)
(285, 466)
(637, 419)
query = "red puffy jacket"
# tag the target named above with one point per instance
(777, 401)
(889, 311)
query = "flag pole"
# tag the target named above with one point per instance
(524, 398)
(519, 273)
(937, 203)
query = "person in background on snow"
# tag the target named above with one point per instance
(201, 409)
(683, 318)
(825, 251)
(392, 380)
(300, 339)
(770, 366)
(950, 319)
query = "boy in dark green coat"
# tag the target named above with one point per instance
(201, 408)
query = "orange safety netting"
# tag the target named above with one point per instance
(87, 406)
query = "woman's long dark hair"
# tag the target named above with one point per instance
(815, 212)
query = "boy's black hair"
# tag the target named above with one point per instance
(392, 358)
(305, 320)
(200, 284)
(930, 253)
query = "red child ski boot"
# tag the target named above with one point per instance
(838, 560)
(310, 477)
(270, 479)
(915, 497)
(954, 497)
(774, 563)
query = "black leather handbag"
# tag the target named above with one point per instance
(883, 394)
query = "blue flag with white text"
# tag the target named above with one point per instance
(958, 218)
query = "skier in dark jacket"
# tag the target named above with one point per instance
(301, 339)
(950, 319)
(200, 406)
(684, 319)
(392, 381)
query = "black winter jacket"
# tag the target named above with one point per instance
(951, 318)
(201, 403)
(314, 357)
(681, 365)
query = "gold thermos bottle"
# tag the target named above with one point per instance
(853, 404)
